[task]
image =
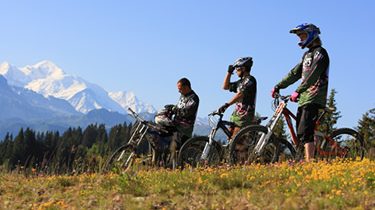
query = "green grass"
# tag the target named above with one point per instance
(322, 185)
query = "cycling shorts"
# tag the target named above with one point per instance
(306, 119)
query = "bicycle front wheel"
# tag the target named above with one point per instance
(347, 143)
(121, 159)
(242, 147)
(191, 153)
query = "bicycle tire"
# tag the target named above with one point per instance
(349, 140)
(242, 147)
(286, 150)
(118, 160)
(191, 151)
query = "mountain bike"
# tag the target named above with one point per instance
(207, 150)
(161, 150)
(342, 142)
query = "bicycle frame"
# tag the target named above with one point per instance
(139, 133)
(282, 110)
(336, 148)
(141, 130)
(317, 135)
(221, 124)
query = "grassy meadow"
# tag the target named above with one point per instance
(320, 185)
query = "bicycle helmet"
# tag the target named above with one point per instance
(244, 62)
(164, 117)
(310, 29)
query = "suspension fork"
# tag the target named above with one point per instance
(208, 145)
(139, 133)
(142, 130)
(264, 138)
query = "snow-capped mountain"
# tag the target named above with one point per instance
(49, 80)
(129, 100)
(14, 75)
(17, 102)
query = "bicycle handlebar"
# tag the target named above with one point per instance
(150, 124)
(284, 98)
(216, 113)
(277, 97)
(132, 112)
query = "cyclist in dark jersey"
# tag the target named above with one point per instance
(178, 120)
(185, 111)
(186, 108)
(312, 92)
(245, 97)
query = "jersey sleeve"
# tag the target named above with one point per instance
(233, 87)
(293, 76)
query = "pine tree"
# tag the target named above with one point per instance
(19, 149)
(113, 138)
(32, 148)
(89, 135)
(8, 147)
(102, 139)
(366, 127)
(117, 136)
(329, 120)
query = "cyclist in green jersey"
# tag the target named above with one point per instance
(311, 94)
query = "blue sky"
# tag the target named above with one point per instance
(146, 46)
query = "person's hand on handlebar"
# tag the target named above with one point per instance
(275, 91)
(294, 97)
(223, 108)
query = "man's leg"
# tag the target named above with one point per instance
(300, 146)
(309, 151)
(308, 116)
(173, 150)
(235, 130)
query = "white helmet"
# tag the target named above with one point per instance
(164, 117)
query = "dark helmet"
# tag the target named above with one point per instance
(310, 29)
(244, 62)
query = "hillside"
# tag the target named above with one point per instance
(322, 185)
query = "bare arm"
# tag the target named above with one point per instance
(226, 81)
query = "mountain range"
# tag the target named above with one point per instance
(43, 97)
(48, 80)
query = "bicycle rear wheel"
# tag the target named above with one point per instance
(191, 151)
(348, 144)
(242, 147)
